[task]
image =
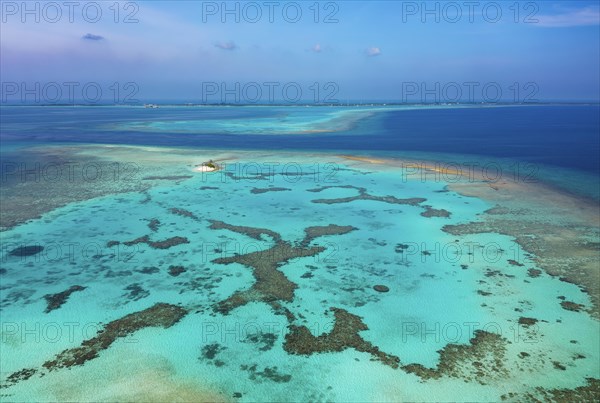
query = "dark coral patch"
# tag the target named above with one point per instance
(266, 341)
(165, 244)
(344, 335)
(183, 213)
(168, 243)
(18, 376)
(485, 353)
(176, 270)
(271, 284)
(24, 251)
(265, 190)
(135, 292)
(527, 321)
(319, 231)
(432, 212)
(148, 270)
(590, 392)
(55, 301)
(401, 247)
(255, 233)
(210, 351)
(381, 288)
(572, 306)
(363, 195)
(270, 373)
(159, 315)
(154, 224)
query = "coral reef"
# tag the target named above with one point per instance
(23, 251)
(344, 335)
(271, 284)
(55, 301)
(165, 244)
(478, 361)
(363, 195)
(159, 315)
(154, 224)
(432, 212)
(183, 213)
(557, 249)
(572, 306)
(270, 373)
(255, 233)
(590, 392)
(176, 270)
(265, 190)
(319, 231)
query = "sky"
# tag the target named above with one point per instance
(194, 51)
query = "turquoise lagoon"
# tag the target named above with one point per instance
(467, 315)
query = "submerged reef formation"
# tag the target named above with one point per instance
(159, 315)
(176, 270)
(572, 306)
(432, 212)
(164, 244)
(183, 213)
(363, 195)
(590, 392)
(55, 301)
(154, 224)
(344, 335)
(270, 373)
(270, 189)
(72, 183)
(135, 292)
(478, 361)
(271, 284)
(24, 251)
(555, 248)
(311, 233)
(254, 233)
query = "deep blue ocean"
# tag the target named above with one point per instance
(564, 136)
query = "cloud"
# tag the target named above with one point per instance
(373, 51)
(575, 18)
(92, 37)
(317, 48)
(226, 45)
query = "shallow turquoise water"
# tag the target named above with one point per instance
(432, 300)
